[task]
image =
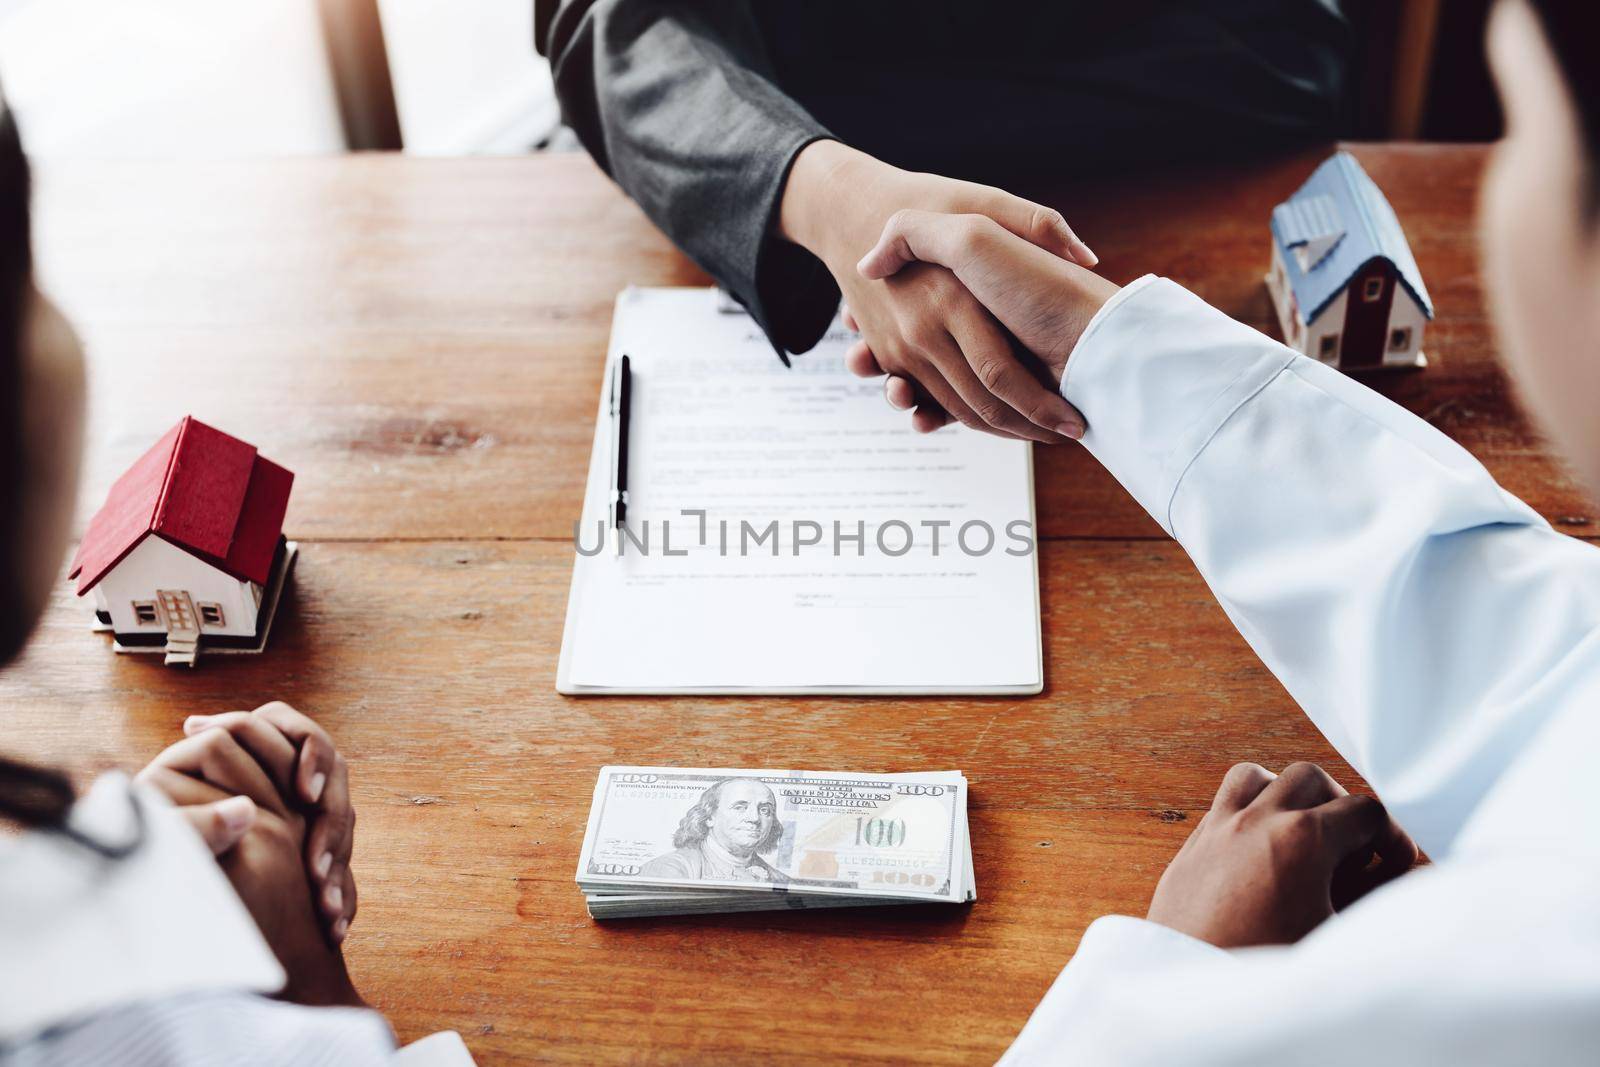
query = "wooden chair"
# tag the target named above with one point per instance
(353, 33)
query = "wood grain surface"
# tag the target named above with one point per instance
(421, 342)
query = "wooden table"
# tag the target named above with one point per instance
(421, 342)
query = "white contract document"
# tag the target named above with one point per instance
(788, 532)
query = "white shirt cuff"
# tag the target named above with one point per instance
(1156, 373)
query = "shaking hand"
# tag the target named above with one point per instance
(1044, 301)
(920, 323)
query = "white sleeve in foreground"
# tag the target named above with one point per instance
(444, 1049)
(1472, 964)
(1440, 634)
(1115, 952)
(1428, 622)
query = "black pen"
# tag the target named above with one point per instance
(621, 398)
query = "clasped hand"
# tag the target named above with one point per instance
(270, 795)
(1276, 855)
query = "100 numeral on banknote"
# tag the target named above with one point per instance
(894, 835)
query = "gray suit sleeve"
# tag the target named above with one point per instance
(676, 102)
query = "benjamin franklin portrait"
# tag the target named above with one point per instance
(722, 837)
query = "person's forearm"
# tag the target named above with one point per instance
(1427, 621)
(678, 103)
(835, 201)
(320, 983)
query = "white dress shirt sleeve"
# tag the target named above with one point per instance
(1415, 610)
(151, 960)
(444, 1049)
(1441, 636)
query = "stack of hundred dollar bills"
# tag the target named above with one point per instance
(682, 840)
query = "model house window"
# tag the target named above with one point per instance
(144, 612)
(1400, 340)
(211, 614)
(1329, 347)
(1372, 289)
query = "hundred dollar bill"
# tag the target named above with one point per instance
(667, 830)
(620, 900)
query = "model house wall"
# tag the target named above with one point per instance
(1283, 302)
(1297, 334)
(1328, 328)
(157, 564)
(1404, 314)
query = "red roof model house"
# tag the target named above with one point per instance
(188, 549)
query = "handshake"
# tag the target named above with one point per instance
(968, 303)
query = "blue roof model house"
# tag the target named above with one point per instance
(1343, 279)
